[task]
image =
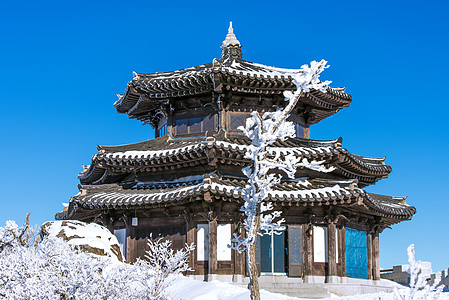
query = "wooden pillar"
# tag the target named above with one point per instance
(343, 251)
(369, 252)
(191, 232)
(308, 254)
(213, 264)
(222, 114)
(307, 133)
(376, 265)
(239, 258)
(131, 245)
(332, 253)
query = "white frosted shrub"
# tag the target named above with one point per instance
(52, 269)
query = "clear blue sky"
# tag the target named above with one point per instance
(62, 62)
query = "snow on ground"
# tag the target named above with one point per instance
(183, 288)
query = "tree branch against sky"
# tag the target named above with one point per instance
(265, 172)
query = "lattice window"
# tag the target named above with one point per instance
(236, 121)
(195, 125)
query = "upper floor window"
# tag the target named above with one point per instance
(237, 120)
(195, 125)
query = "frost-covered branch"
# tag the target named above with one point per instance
(419, 287)
(165, 262)
(12, 235)
(263, 131)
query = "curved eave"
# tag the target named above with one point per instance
(93, 173)
(305, 193)
(144, 93)
(167, 153)
(389, 206)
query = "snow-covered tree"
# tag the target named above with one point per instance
(53, 269)
(12, 235)
(419, 289)
(164, 262)
(268, 165)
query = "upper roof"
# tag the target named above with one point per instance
(113, 163)
(148, 97)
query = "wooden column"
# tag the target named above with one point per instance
(213, 264)
(332, 251)
(131, 251)
(307, 133)
(222, 114)
(376, 265)
(308, 253)
(191, 232)
(369, 256)
(343, 251)
(239, 258)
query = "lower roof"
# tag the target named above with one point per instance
(302, 191)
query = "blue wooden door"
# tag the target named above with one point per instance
(272, 253)
(356, 254)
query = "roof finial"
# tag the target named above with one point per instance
(230, 37)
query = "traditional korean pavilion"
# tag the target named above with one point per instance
(186, 184)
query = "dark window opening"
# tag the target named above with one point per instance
(195, 125)
(182, 126)
(209, 123)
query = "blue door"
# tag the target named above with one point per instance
(356, 254)
(272, 253)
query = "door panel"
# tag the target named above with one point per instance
(265, 253)
(356, 254)
(279, 252)
(272, 253)
(295, 251)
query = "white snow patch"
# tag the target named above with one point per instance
(184, 288)
(80, 233)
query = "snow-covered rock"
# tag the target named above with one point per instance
(88, 237)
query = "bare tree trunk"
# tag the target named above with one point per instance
(252, 267)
